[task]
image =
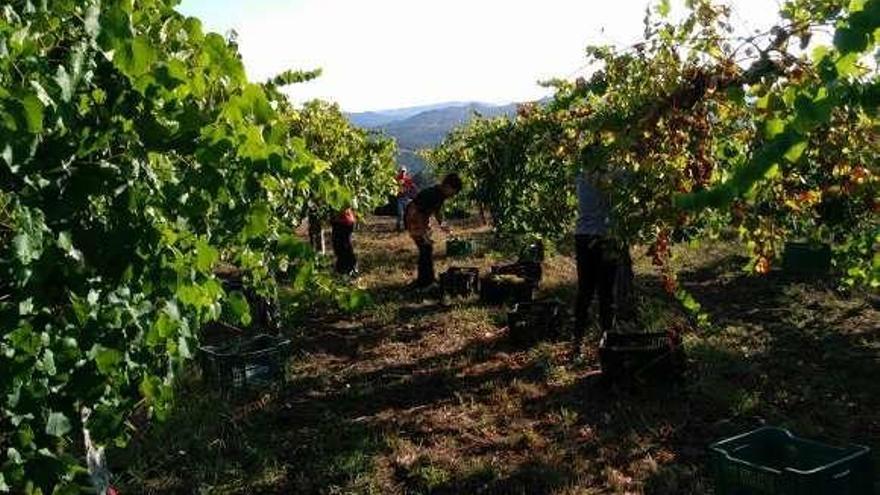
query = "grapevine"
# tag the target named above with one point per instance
(134, 157)
(704, 131)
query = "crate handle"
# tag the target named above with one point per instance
(841, 474)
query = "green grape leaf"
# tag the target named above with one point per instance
(93, 20)
(57, 425)
(105, 358)
(32, 111)
(135, 58)
(664, 8)
(258, 221)
(849, 40)
(115, 23)
(774, 127)
(65, 83)
(206, 256)
(847, 65)
(193, 28)
(796, 151)
(241, 310)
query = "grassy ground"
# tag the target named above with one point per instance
(416, 396)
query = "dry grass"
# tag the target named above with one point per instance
(418, 396)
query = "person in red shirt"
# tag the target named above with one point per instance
(342, 228)
(406, 192)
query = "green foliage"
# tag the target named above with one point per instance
(363, 162)
(511, 169)
(693, 129)
(134, 156)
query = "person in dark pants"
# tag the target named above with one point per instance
(316, 234)
(428, 203)
(596, 256)
(342, 228)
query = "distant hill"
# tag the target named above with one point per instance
(418, 128)
(381, 117)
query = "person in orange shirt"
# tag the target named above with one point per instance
(429, 203)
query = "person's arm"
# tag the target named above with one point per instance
(439, 217)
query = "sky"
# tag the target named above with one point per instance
(384, 54)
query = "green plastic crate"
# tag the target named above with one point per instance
(806, 258)
(772, 461)
(459, 247)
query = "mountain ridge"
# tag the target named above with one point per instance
(417, 128)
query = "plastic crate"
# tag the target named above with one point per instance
(460, 281)
(806, 258)
(530, 322)
(532, 252)
(251, 363)
(773, 461)
(496, 291)
(459, 247)
(530, 271)
(640, 356)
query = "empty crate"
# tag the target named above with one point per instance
(529, 271)
(460, 281)
(806, 258)
(773, 461)
(501, 289)
(245, 363)
(459, 247)
(533, 321)
(641, 355)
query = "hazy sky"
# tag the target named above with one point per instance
(380, 54)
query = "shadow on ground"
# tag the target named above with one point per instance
(493, 418)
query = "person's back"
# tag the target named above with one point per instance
(427, 203)
(342, 229)
(593, 212)
(429, 200)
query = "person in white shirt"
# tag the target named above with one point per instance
(596, 259)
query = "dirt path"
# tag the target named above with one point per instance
(415, 396)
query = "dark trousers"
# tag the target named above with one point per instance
(315, 232)
(597, 269)
(346, 261)
(426, 263)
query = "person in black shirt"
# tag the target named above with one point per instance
(428, 203)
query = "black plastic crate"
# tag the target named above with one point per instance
(805, 258)
(529, 271)
(773, 461)
(460, 247)
(497, 290)
(460, 281)
(532, 252)
(640, 356)
(244, 364)
(530, 322)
